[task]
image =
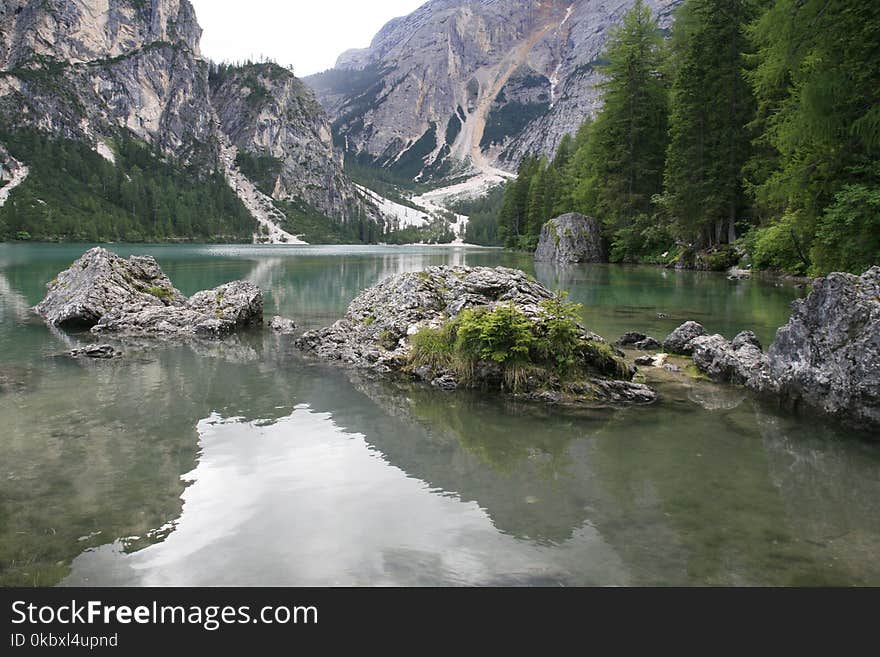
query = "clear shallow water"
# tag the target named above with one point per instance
(241, 463)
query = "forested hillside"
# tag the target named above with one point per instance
(754, 130)
(72, 193)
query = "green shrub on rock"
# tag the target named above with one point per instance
(548, 346)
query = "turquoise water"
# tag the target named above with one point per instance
(241, 463)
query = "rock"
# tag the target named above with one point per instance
(648, 344)
(282, 325)
(101, 281)
(744, 339)
(108, 294)
(740, 361)
(652, 360)
(631, 338)
(639, 341)
(678, 342)
(97, 351)
(828, 355)
(376, 330)
(737, 274)
(571, 238)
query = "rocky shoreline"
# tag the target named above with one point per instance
(826, 359)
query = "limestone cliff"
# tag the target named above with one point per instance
(283, 137)
(85, 69)
(479, 83)
(95, 70)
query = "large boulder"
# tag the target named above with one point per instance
(109, 294)
(571, 238)
(377, 334)
(828, 355)
(679, 341)
(101, 281)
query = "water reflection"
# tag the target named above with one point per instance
(304, 502)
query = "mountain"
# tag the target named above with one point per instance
(106, 77)
(283, 138)
(464, 85)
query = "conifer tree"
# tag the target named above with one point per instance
(628, 140)
(710, 106)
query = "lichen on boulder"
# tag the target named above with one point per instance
(460, 327)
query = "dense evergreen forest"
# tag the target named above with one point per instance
(754, 130)
(72, 193)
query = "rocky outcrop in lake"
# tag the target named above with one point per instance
(827, 358)
(828, 355)
(422, 313)
(571, 238)
(108, 294)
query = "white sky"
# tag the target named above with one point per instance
(309, 35)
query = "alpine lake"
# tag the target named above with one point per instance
(243, 463)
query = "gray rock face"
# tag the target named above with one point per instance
(571, 238)
(678, 342)
(376, 330)
(740, 361)
(109, 294)
(430, 83)
(828, 355)
(112, 66)
(826, 358)
(90, 70)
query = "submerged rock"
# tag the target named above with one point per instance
(282, 325)
(678, 342)
(571, 238)
(377, 334)
(97, 351)
(828, 355)
(108, 294)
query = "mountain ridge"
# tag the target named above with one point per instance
(463, 86)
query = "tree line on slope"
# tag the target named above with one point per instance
(754, 129)
(72, 193)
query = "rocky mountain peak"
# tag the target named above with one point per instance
(463, 85)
